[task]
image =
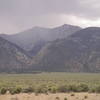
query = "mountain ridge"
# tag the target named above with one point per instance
(29, 38)
(80, 52)
(12, 57)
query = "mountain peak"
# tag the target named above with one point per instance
(66, 25)
(28, 38)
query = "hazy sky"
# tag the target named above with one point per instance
(18, 15)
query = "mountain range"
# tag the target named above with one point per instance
(39, 36)
(79, 52)
(65, 48)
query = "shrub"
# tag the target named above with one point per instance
(92, 90)
(57, 98)
(72, 94)
(85, 97)
(72, 88)
(15, 90)
(65, 99)
(53, 89)
(83, 88)
(97, 89)
(41, 89)
(28, 90)
(3, 91)
(62, 88)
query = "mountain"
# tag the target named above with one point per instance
(37, 47)
(31, 38)
(13, 58)
(79, 52)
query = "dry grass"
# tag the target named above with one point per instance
(61, 96)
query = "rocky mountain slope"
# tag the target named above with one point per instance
(13, 58)
(79, 52)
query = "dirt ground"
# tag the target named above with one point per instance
(58, 96)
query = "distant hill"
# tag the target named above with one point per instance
(39, 36)
(13, 58)
(79, 52)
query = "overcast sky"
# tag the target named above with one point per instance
(19, 15)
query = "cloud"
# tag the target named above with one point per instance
(18, 15)
(40, 7)
(83, 22)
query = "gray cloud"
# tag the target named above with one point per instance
(17, 15)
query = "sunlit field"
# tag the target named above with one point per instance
(50, 86)
(24, 80)
(48, 80)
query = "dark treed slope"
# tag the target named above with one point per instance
(13, 58)
(80, 52)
